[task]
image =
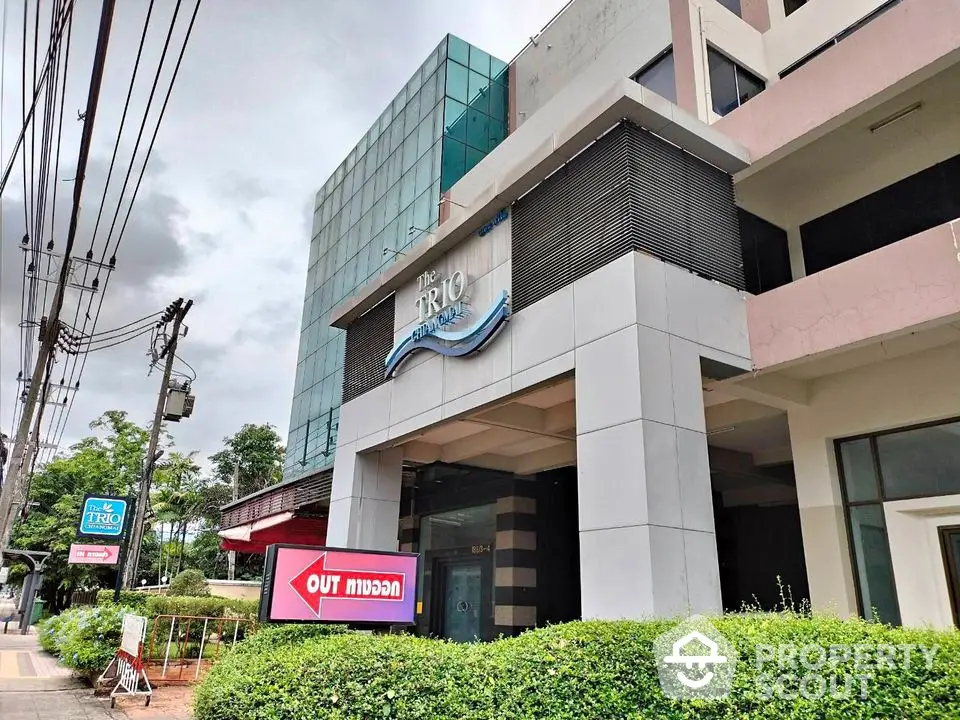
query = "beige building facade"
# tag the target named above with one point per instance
(688, 339)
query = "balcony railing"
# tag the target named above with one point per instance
(911, 284)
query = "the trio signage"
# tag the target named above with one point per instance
(102, 516)
(319, 584)
(441, 305)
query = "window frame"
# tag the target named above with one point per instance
(737, 69)
(661, 56)
(881, 496)
(951, 568)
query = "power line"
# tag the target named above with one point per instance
(79, 369)
(46, 144)
(138, 321)
(28, 295)
(28, 116)
(82, 362)
(189, 367)
(28, 314)
(123, 118)
(19, 448)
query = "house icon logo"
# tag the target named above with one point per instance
(695, 661)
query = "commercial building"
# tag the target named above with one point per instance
(687, 338)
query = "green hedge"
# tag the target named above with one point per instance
(85, 638)
(577, 670)
(153, 605)
(129, 598)
(201, 606)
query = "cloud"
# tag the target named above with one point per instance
(265, 107)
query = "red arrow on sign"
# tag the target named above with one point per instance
(316, 583)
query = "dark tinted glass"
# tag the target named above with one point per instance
(660, 77)
(878, 592)
(859, 475)
(748, 85)
(723, 83)
(731, 5)
(922, 461)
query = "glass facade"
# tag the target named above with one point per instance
(909, 463)
(380, 201)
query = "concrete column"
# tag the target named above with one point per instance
(515, 572)
(822, 521)
(795, 246)
(365, 499)
(647, 540)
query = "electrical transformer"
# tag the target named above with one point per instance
(179, 403)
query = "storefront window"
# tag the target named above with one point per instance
(458, 528)
(465, 528)
(920, 462)
(859, 473)
(909, 463)
(878, 592)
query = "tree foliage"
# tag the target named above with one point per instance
(184, 514)
(107, 464)
(258, 451)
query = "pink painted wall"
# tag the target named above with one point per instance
(902, 41)
(683, 58)
(756, 13)
(906, 284)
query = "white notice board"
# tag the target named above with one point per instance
(134, 631)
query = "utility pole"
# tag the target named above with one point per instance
(16, 479)
(232, 554)
(143, 496)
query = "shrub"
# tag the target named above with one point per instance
(190, 583)
(129, 598)
(48, 632)
(201, 606)
(85, 639)
(576, 670)
(347, 675)
(276, 636)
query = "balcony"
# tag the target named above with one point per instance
(902, 48)
(908, 290)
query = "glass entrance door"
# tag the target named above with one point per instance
(950, 541)
(462, 598)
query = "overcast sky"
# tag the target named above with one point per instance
(271, 96)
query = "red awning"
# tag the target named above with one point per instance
(284, 528)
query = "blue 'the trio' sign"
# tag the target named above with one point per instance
(103, 516)
(500, 217)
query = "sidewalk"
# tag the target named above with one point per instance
(25, 667)
(56, 705)
(34, 687)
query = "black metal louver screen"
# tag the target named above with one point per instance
(369, 341)
(629, 191)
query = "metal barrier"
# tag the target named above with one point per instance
(181, 647)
